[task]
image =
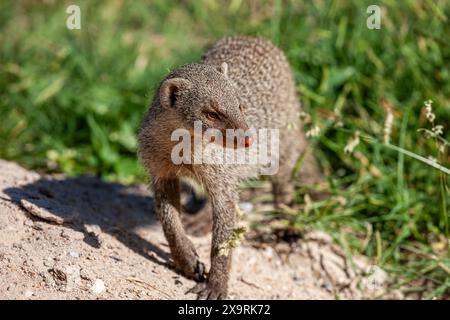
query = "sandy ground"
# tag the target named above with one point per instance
(81, 238)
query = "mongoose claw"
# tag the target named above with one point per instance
(206, 291)
(199, 272)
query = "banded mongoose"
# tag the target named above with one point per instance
(242, 82)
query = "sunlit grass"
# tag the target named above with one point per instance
(71, 101)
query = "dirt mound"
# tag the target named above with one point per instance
(81, 238)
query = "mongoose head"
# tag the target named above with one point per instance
(199, 92)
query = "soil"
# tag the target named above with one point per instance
(82, 238)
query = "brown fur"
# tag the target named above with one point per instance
(255, 88)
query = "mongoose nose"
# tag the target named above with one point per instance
(248, 141)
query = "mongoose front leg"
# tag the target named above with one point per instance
(224, 199)
(167, 205)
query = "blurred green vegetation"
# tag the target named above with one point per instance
(71, 101)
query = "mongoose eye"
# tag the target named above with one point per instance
(213, 115)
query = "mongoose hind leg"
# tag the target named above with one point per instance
(200, 223)
(295, 153)
(167, 205)
(283, 193)
(282, 181)
(197, 210)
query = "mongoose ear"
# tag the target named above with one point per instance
(170, 89)
(224, 69)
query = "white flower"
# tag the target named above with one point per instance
(313, 132)
(305, 117)
(438, 130)
(429, 111)
(352, 143)
(388, 127)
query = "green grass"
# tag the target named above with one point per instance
(71, 101)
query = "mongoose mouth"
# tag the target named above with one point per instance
(248, 141)
(234, 143)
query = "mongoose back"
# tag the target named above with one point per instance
(242, 83)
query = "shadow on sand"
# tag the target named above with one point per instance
(116, 209)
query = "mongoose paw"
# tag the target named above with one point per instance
(193, 269)
(207, 291)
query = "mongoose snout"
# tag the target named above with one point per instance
(241, 83)
(248, 141)
(235, 142)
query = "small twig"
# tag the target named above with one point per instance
(249, 283)
(136, 280)
(7, 199)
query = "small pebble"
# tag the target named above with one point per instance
(48, 262)
(28, 294)
(93, 229)
(72, 234)
(28, 223)
(98, 286)
(74, 254)
(178, 282)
